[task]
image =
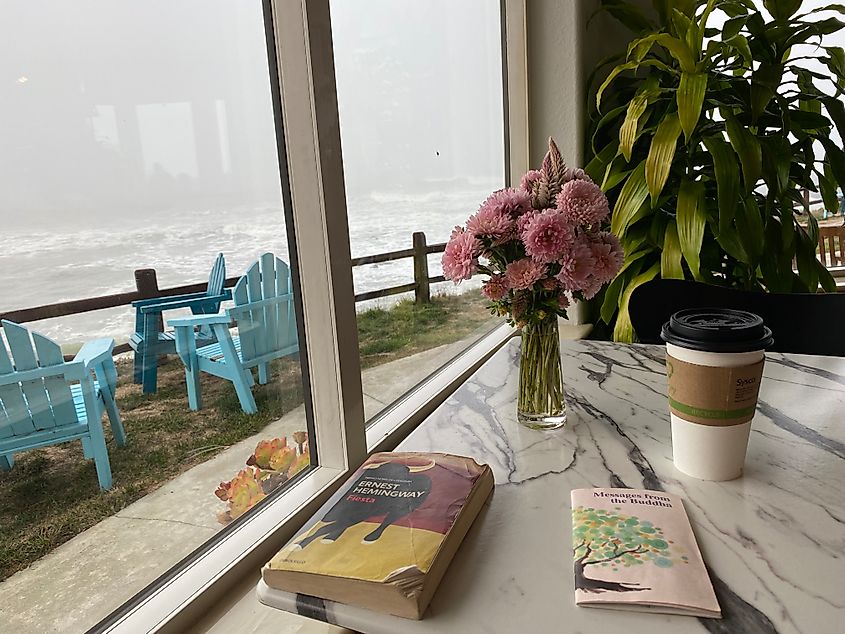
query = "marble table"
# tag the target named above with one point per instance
(774, 539)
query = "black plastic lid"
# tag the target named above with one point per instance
(717, 330)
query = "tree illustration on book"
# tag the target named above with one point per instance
(605, 539)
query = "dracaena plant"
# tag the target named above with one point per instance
(704, 139)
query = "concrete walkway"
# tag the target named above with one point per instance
(86, 578)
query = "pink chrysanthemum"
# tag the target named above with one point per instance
(531, 177)
(460, 259)
(524, 273)
(563, 301)
(496, 288)
(582, 202)
(549, 284)
(510, 202)
(576, 267)
(491, 223)
(608, 255)
(547, 236)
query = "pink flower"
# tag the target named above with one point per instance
(496, 288)
(531, 177)
(524, 273)
(510, 202)
(582, 202)
(576, 267)
(549, 284)
(591, 287)
(547, 235)
(523, 221)
(576, 174)
(490, 222)
(460, 259)
(608, 255)
(563, 301)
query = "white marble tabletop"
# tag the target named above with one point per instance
(774, 540)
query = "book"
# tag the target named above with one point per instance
(385, 539)
(635, 550)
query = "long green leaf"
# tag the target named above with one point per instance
(748, 149)
(631, 198)
(782, 9)
(612, 295)
(691, 220)
(726, 167)
(670, 257)
(639, 48)
(690, 97)
(661, 153)
(628, 131)
(621, 68)
(764, 83)
(623, 331)
(749, 227)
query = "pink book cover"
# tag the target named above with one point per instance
(635, 550)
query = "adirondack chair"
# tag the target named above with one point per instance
(263, 313)
(45, 401)
(149, 341)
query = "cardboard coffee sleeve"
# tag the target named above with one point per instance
(710, 395)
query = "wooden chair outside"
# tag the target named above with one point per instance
(832, 246)
(149, 341)
(46, 401)
(266, 330)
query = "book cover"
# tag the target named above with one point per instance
(635, 549)
(386, 526)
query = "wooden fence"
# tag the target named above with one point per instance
(146, 286)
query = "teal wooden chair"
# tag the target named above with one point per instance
(263, 315)
(46, 401)
(149, 341)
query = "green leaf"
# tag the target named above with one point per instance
(623, 331)
(782, 10)
(631, 199)
(828, 192)
(726, 167)
(747, 148)
(677, 48)
(764, 82)
(670, 257)
(612, 295)
(749, 226)
(691, 220)
(690, 97)
(777, 159)
(733, 26)
(836, 159)
(661, 153)
(597, 166)
(836, 111)
(630, 126)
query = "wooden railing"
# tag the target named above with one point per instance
(146, 286)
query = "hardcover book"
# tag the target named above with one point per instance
(635, 550)
(384, 541)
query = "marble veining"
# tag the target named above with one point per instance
(774, 540)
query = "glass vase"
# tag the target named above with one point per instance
(541, 403)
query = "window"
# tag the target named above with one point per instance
(203, 153)
(421, 110)
(143, 138)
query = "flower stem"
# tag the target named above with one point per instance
(540, 374)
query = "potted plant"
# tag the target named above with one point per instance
(705, 139)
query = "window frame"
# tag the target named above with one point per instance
(304, 65)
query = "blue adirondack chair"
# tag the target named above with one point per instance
(263, 313)
(45, 401)
(149, 341)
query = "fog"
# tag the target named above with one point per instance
(135, 111)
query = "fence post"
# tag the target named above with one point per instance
(422, 292)
(146, 284)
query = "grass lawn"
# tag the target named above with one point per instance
(52, 494)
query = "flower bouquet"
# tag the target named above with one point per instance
(540, 244)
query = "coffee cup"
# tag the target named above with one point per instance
(714, 365)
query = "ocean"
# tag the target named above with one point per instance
(64, 261)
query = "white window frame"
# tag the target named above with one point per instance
(305, 65)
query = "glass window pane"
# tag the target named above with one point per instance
(421, 112)
(138, 142)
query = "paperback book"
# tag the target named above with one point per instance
(384, 541)
(635, 550)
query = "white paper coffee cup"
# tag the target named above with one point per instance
(714, 368)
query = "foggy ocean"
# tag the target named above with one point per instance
(51, 264)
